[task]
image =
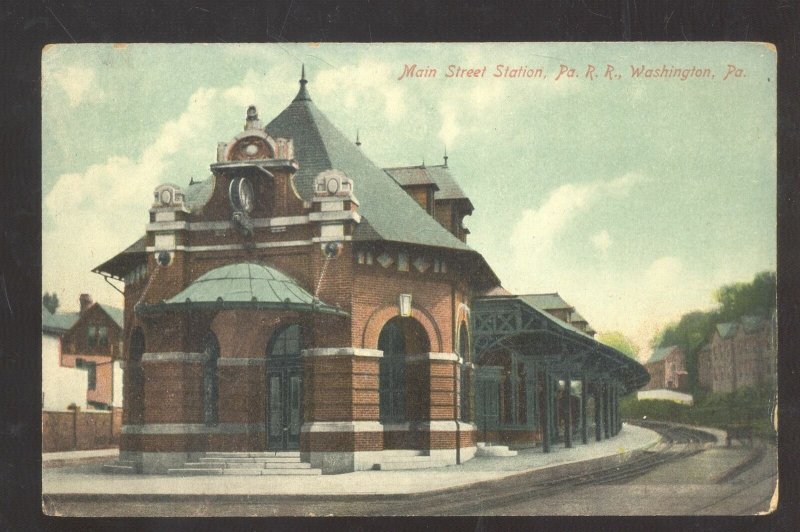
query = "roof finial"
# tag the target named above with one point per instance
(423, 162)
(445, 156)
(302, 94)
(358, 142)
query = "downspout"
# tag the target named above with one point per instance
(455, 372)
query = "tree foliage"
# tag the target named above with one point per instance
(50, 302)
(693, 330)
(620, 342)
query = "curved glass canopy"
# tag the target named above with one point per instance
(245, 285)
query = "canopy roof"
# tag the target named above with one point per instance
(513, 322)
(245, 285)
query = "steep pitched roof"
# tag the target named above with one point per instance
(58, 323)
(447, 186)
(122, 263)
(661, 352)
(411, 175)
(388, 213)
(751, 324)
(114, 313)
(726, 329)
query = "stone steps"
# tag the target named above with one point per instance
(117, 468)
(247, 464)
(494, 450)
(419, 462)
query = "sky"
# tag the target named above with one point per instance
(634, 197)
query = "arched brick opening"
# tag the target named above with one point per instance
(379, 318)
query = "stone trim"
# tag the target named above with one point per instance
(447, 357)
(241, 361)
(193, 428)
(394, 427)
(342, 426)
(237, 247)
(341, 351)
(174, 356)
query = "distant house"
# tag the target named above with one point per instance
(62, 387)
(80, 357)
(740, 354)
(667, 369)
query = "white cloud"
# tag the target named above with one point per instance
(363, 87)
(602, 241)
(532, 238)
(96, 212)
(78, 83)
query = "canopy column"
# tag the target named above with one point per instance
(547, 422)
(584, 421)
(567, 412)
(598, 411)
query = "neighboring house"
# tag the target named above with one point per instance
(667, 369)
(740, 354)
(87, 344)
(62, 387)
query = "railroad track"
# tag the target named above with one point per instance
(677, 443)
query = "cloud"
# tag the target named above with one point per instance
(78, 83)
(602, 241)
(532, 238)
(363, 87)
(96, 212)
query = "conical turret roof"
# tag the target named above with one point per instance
(388, 213)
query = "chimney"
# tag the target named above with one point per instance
(85, 302)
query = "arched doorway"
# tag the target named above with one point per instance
(398, 338)
(284, 389)
(210, 380)
(135, 371)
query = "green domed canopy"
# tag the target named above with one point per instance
(245, 285)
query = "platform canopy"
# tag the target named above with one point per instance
(513, 322)
(245, 285)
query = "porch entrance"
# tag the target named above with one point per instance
(284, 390)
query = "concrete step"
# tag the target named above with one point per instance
(254, 472)
(495, 450)
(190, 471)
(119, 468)
(254, 454)
(253, 460)
(411, 464)
(416, 458)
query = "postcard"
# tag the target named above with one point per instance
(409, 279)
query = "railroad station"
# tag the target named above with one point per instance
(306, 302)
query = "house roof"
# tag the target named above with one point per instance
(58, 323)
(751, 324)
(114, 313)
(660, 353)
(726, 329)
(245, 285)
(547, 301)
(120, 264)
(411, 175)
(388, 213)
(575, 317)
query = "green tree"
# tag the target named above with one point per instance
(741, 299)
(50, 302)
(620, 342)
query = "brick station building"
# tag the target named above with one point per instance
(303, 298)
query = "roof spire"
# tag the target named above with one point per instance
(445, 156)
(423, 162)
(302, 94)
(358, 142)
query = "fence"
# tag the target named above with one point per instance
(79, 431)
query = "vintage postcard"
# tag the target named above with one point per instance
(409, 279)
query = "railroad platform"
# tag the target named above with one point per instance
(88, 479)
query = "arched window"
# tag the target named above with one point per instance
(399, 337)
(210, 380)
(285, 342)
(464, 352)
(135, 394)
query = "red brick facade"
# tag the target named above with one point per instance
(339, 371)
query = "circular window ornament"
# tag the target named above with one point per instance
(241, 195)
(333, 186)
(251, 149)
(166, 197)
